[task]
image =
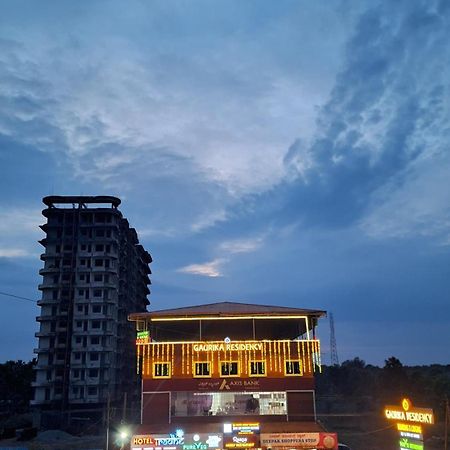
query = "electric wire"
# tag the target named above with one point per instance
(7, 294)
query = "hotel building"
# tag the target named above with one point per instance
(229, 376)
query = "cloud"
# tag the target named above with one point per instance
(241, 245)
(13, 253)
(385, 123)
(210, 269)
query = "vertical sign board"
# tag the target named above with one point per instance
(409, 423)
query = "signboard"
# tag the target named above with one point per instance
(406, 413)
(142, 337)
(409, 444)
(241, 435)
(264, 384)
(300, 440)
(228, 346)
(239, 440)
(409, 423)
(177, 441)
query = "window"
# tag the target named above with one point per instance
(78, 340)
(76, 373)
(79, 324)
(92, 390)
(95, 340)
(80, 291)
(98, 262)
(257, 368)
(293, 368)
(227, 403)
(98, 277)
(83, 247)
(229, 369)
(96, 324)
(80, 308)
(93, 373)
(94, 356)
(97, 308)
(97, 292)
(99, 248)
(202, 369)
(161, 370)
(77, 355)
(82, 277)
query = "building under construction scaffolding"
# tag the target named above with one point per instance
(95, 273)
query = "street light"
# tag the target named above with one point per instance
(123, 436)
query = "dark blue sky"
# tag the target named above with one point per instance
(289, 153)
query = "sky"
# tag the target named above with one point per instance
(289, 153)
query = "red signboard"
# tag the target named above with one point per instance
(229, 384)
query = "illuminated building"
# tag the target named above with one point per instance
(95, 273)
(239, 373)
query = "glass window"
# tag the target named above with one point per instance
(185, 404)
(293, 368)
(229, 369)
(93, 373)
(257, 368)
(202, 369)
(94, 356)
(161, 370)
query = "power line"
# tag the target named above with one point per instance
(7, 294)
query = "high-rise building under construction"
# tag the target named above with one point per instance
(95, 273)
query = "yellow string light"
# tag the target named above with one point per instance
(137, 358)
(320, 359)
(280, 367)
(303, 355)
(308, 348)
(182, 359)
(270, 356)
(173, 358)
(289, 350)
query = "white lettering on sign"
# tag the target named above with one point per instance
(241, 346)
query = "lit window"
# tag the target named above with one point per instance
(229, 369)
(161, 370)
(202, 369)
(257, 368)
(293, 368)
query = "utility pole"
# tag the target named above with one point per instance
(447, 420)
(107, 421)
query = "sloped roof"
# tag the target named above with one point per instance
(223, 309)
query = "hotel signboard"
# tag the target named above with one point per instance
(406, 413)
(177, 441)
(409, 423)
(299, 440)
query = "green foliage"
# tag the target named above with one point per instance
(15, 384)
(357, 387)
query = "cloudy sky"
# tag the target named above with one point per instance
(291, 153)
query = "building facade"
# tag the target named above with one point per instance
(95, 273)
(230, 376)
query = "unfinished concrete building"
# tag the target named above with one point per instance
(95, 273)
